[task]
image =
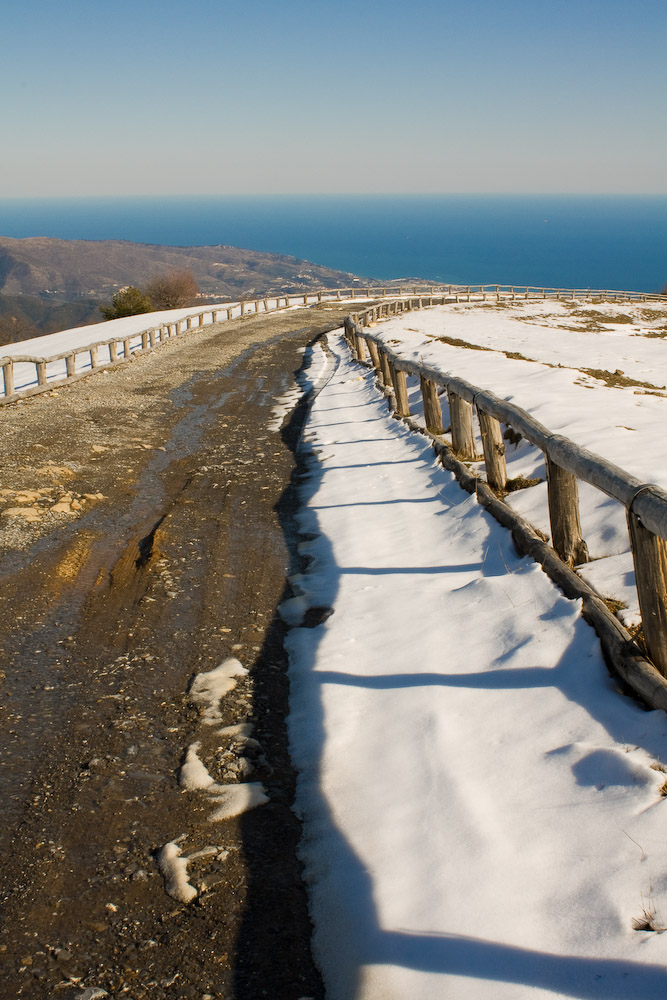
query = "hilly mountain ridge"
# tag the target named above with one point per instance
(50, 284)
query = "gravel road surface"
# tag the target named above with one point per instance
(145, 526)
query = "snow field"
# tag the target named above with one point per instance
(622, 423)
(481, 818)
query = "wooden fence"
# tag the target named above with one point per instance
(84, 360)
(566, 463)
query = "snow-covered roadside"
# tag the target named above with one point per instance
(82, 337)
(548, 371)
(541, 356)
(482, 816)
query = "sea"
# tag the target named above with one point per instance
(603, 241)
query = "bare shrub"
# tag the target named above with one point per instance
(173, 289)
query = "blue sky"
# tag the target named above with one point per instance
(228, 97)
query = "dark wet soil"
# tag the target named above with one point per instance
(172, 556)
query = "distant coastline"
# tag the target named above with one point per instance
(555, 240)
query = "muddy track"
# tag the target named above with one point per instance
(145, 518)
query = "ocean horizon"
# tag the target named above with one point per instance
(582, 241)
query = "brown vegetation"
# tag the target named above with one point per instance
(173, 289)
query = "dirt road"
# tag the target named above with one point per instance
(144, 529)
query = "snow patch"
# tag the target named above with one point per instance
(233, 800)
(174, 870)
(193, 774)
(242, 730)
(292, 610)
(207, 689)
(284, 405)
(241, 733)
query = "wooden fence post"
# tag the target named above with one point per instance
(113, 351)
(70, 365)
(41, 372)
(385, 368)
(563, 496)
(462, 427)
(399, 381)
(494, 451)
(432, 408)
(126, 350)
(649, 553)
(359, 346)
(354, 339)
(8, 377)
(373, 351)
(94, 359)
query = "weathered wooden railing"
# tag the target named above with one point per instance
(124, 346)
(566, 463)
(398, 297)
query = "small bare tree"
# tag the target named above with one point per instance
(173, 289)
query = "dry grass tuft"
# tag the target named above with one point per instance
(521, 483)
(649, 920)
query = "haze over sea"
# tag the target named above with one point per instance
(610, 241)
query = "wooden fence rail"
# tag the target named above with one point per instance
(566, 463)
(122, 347)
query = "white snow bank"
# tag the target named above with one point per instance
(482, 816)
(80, 338)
